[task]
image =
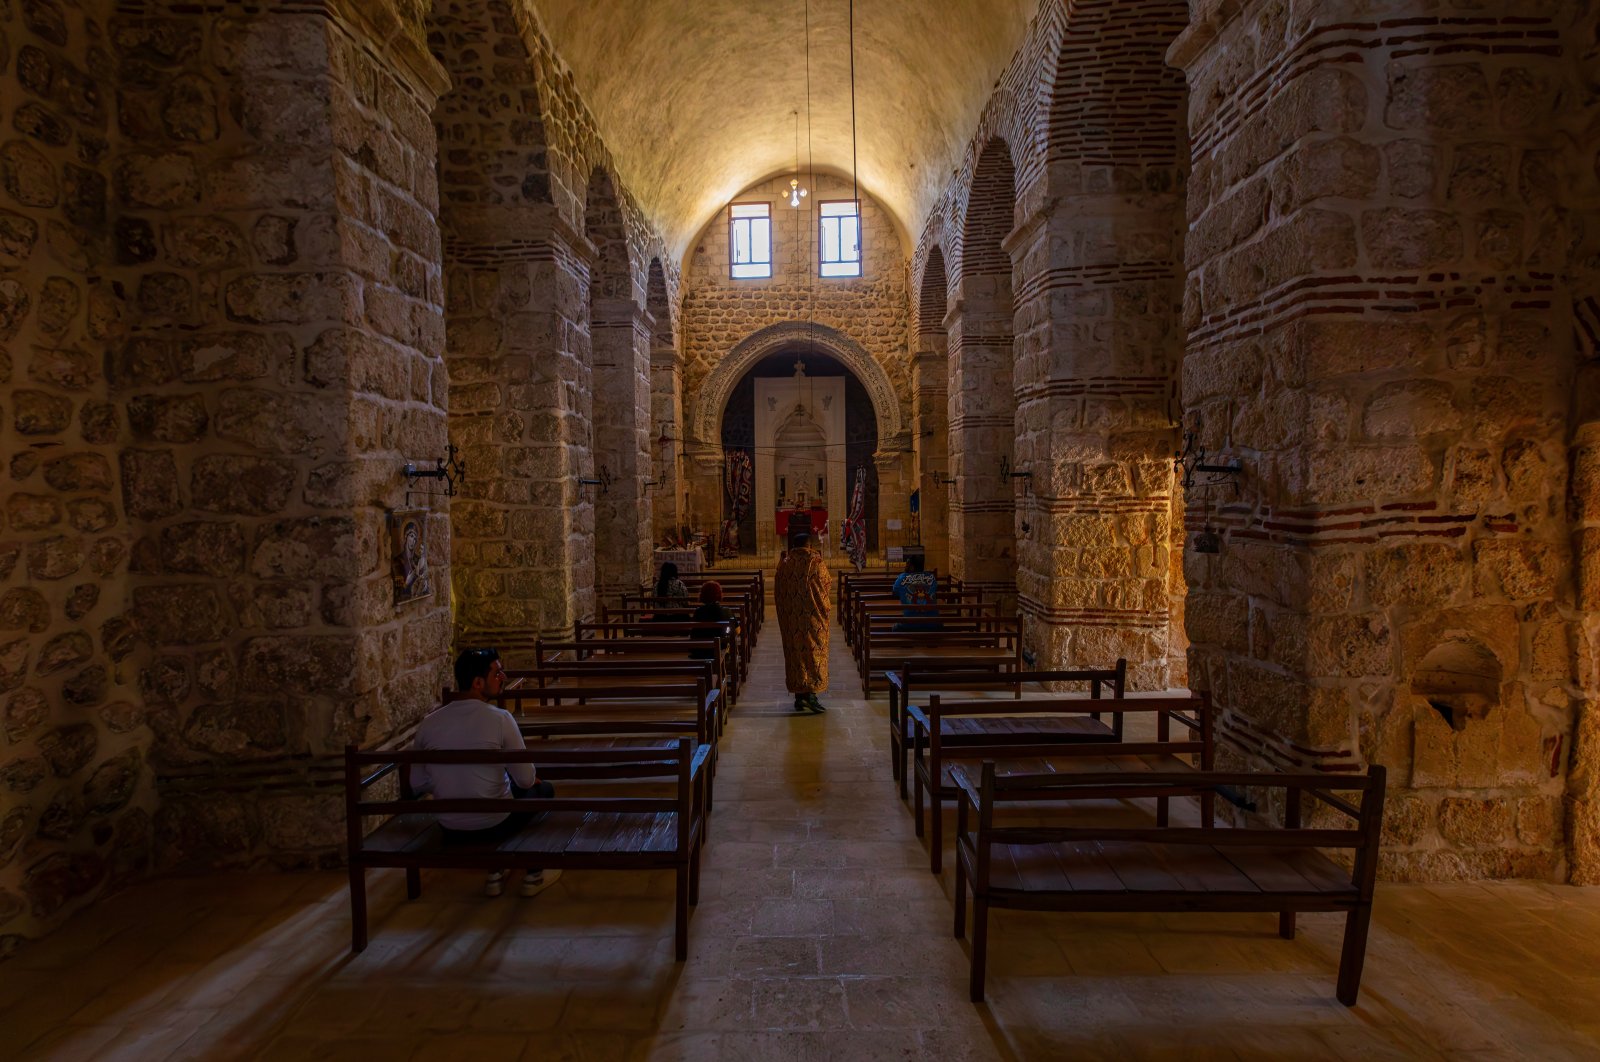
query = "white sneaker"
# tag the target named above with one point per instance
(495, 883)
(536, 881)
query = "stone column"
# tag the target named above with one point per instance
(1380, 329)
(620, 335)
(666, 418)
(518, 280)
(930, 435)
(283, 364)
(896, 468)
(1099, 341)
(703, 466)
(981, 512)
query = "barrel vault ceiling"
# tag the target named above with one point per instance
(696, 98)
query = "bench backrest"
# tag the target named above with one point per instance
(679, 759)
(991, 789)
(1192, 713)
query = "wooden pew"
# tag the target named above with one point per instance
(639, 608)
(622, 656)
(637, 831)
(751, 581)
(979, 674)
(862, 607)
(671, 641)
(1095, 866)
(882, 649)
(1047, 734)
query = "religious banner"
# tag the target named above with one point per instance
(854, 538)
(738, 482)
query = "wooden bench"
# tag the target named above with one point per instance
(979, 674)
(881, 582)
(751, 581)
(1047, 734)
(651, 610)
(673, 639)
(626, 832)
(886, 606)
(1090, 866)
(627, 654)
(992, 636)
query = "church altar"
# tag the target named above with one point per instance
(819, 521)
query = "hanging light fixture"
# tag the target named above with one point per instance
(796, 193)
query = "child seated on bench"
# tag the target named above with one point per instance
(473, 724)
(916, 587)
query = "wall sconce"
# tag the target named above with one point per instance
(1009, 474)
(1192, 459)
(603, 480)
(449, 468)
(940, 481)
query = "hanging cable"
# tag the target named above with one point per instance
(855, 185)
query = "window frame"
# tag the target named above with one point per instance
(732, 221)
(859, 261)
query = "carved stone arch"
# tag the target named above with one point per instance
(748, 352)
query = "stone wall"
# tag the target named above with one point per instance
(76, 790)
(870, 313)
(1379, 318)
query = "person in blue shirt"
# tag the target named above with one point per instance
(916, 587)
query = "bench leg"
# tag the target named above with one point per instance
(358, 908)
(682, 931)
(694, 874)
(980, 945)
(1161, 811)
(1353, 954)
(413, 883)
(935, 831)
(916, 803)
(1286, 925)
(961, 898)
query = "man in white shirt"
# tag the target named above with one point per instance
(473, 724)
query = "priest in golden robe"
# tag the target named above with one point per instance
(802, 590)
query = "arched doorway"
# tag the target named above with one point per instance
(808, 435)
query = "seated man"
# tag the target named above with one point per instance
(916, 587)
(469, 725)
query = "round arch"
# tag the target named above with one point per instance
(750, 350)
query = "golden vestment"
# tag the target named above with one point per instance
(801, 591)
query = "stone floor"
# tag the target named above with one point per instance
(820, 935)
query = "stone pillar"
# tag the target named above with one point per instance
(620, 335)
(1098, 345)
(518, 280)
(981, 510)
(896, 471)
(930, 434)
(1380, 329)
(668, 503)
(284, 361)
(703, 466)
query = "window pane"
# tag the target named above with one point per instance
(741, 241)
(761, 240)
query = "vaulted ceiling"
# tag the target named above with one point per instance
(696, 98)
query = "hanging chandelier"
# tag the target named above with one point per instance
(796, 193)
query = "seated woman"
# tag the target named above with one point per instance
(669, 588)
(711, 610)
(916, 587)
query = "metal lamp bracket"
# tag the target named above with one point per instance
(449, 468)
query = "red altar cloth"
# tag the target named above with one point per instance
(819, 520)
